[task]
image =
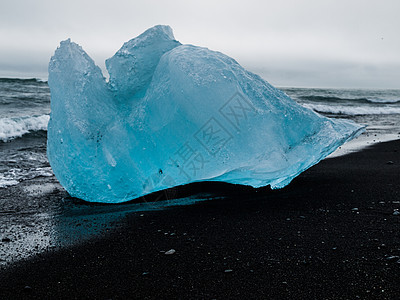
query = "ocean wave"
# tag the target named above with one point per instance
(352, 110)
(384, 101)
(333, 99)
(11, 128)
(23, 80)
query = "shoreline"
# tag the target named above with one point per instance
(332, 233)
(367, 139)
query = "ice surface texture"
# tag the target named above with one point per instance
(172, 114)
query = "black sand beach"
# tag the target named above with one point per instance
(333, 233)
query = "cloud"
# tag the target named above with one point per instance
(286, 37)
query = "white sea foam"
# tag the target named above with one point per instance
(11, 128)
(379, 100)
(15, 175)
(352, 110)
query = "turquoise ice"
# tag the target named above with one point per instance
(173, 114)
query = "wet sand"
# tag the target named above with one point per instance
(333, 233)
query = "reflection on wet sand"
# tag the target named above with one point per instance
(38, 215)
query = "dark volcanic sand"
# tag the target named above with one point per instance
(331, 234)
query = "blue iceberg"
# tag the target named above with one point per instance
(173, 114)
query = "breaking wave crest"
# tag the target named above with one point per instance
(352, 110)
(332, 99)
(383, 101)
(11, 128)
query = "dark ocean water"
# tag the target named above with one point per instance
(25, 109)
(36, 214)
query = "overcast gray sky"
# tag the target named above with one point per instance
(312, 43)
